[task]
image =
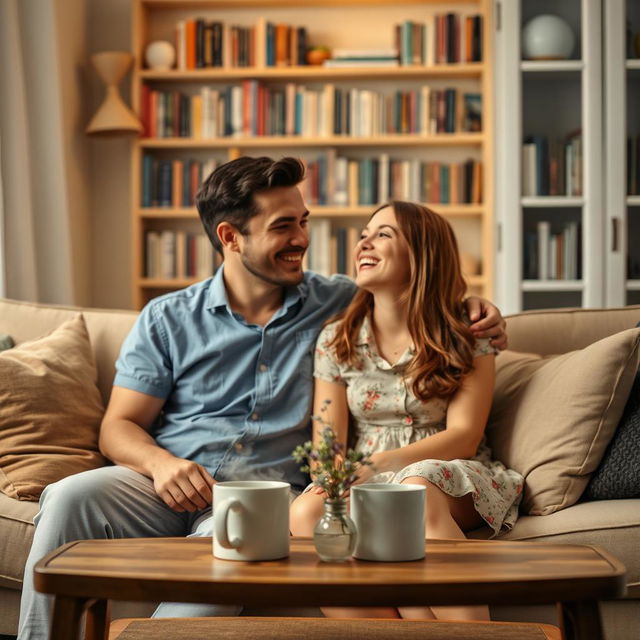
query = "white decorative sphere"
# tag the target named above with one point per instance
(547, 37)
(160, 55)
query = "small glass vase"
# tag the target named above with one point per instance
(334, 536)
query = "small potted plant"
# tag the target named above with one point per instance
(333, 470)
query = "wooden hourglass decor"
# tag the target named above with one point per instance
(113, 117)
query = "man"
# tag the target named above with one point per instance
(214, 382)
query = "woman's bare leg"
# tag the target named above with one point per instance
(446, 517)
(305, 511)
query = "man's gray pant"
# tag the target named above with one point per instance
(111, 502)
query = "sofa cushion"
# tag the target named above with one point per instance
(613, 525)
(553, 331)
(552, 418)
(50, 411)
(618, 475)
(107, 329)
(16, 533)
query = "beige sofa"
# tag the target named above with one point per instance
(615, 524)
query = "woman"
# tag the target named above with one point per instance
(403, 363)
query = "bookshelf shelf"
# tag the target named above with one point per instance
(552, 285)
(633, 201)
(452, 167)
(633, 65)
(311, 73)
(404, 140)
(287, 4)
(189, 213)
(633, 285)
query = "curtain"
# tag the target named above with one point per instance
(42, 156)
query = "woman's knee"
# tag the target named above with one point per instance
(304, 513)
(437, 504)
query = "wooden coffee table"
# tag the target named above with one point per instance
(83, 575)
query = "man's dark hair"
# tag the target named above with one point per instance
(228, 193)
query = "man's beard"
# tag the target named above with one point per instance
(263, 271)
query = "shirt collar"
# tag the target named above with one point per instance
(365, 337)
(218, 293)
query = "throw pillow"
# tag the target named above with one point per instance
(50, 411)
(618, 475)
(6, 342)
(552, 418)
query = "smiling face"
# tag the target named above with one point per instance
(276, 238)
(382, 254)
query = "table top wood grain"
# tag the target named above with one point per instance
(452, 572)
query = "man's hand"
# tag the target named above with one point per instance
(184, 485)
(487, 321)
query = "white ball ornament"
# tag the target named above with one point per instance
(160, 55)
(547, 37)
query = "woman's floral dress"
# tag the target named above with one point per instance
(387, 416)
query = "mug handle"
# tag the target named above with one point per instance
(220, 517)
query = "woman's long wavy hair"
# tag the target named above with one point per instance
(443, 342)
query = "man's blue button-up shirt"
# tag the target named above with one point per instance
(238, 396)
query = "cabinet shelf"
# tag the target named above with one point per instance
(633, 201)
(404, 140)
(310, 73)
(552, 285)
(552, 201)
(633, 285)
(551, 66)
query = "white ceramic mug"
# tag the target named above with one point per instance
(390, 521)
(251, 520)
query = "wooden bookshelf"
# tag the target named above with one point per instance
(328, 22)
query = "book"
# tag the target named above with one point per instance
(472, 112)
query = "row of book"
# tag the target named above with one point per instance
(553, 255)
(253, 109)
(633, 165)
(443, 38)
(179, 254)
(330, 180)
(201, 44)
(172, 183)
(340, 181)
(552, 168)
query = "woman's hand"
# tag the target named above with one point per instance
(487, 321)
(381, 461)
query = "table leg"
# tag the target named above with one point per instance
(67, 615)
(97, 620)
(580, 620)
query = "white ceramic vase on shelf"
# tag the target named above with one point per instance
(547, 37)
(160, 55)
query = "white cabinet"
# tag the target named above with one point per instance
(549, 162)
(622, 128)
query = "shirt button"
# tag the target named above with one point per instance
(254, 416)
(238, 446)
(263, 367)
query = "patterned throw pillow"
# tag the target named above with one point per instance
(618, 475)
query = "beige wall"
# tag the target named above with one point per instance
(109, 29)
(70, 17)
